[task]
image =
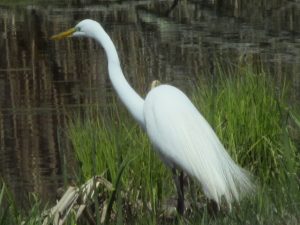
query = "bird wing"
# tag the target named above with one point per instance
(184, 139)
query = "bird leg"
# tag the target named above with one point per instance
(179, 183)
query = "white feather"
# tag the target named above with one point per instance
(184, 139)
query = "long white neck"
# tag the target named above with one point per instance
(133, 102)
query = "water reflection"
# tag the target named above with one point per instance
(42, 82)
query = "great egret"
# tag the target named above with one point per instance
(180, 135)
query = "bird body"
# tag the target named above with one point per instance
(180, 134)
(185, 140)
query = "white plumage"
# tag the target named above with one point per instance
(179, 133)
(184, 139)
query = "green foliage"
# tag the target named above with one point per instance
(296, 118)
(10, 213)
(111, 143)
(251, 118)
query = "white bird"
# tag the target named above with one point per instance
(180, 134)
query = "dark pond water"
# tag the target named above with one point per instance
(42, 82)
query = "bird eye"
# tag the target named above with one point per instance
(78, 28)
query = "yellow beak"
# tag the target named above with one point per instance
(62, 35)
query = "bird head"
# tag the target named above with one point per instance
(85, 28)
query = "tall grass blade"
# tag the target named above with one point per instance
(115, 191)
(296, 118)
(3, 208)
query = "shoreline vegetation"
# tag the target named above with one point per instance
(252, 118)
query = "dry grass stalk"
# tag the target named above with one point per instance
(76, 198)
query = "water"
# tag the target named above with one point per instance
(43, 82)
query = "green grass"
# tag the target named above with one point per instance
(252, 119)
(10, 213)
(104, 142)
